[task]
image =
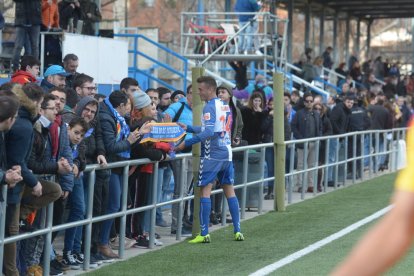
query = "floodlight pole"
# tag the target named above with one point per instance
(279, 142)
(197, 109)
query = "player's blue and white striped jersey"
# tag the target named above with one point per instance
(215, 131)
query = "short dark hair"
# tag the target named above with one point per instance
(70, 57)
(189, 87)
(162, 91)
(8, 85)
(295, 92)
(80, 80)
(127, 82)
(307, 94)
(33, 91)
(209, 81)
(28, 61)
(46, 99)
(79, 121)
(9, 104)
(99, 96)
(56, 88)
(72, 98)
(117, 98)
(286, 94)
(152, 90)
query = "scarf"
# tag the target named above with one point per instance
(122, 129)
(54, 135)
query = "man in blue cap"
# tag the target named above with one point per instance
(55, 76)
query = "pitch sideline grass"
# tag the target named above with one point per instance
(269, 237)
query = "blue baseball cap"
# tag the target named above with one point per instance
(55, 70)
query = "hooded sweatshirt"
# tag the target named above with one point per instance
(22, 77)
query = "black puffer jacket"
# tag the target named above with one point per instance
(339, 117)
(28, 13)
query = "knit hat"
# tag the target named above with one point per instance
(176, 92)
(141, 100)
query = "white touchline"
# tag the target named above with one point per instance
(309, 249)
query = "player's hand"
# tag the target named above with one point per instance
(183, 126)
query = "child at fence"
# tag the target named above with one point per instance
(143, 176)
(72, 255)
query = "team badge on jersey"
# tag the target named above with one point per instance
(206, 116)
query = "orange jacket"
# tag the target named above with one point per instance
(50, 14)
(22, 77)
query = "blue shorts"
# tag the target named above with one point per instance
(210, 170)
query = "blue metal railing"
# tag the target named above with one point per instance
(135, 53)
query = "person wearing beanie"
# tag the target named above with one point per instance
(177, 95)
(141, 100)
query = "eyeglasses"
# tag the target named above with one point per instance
(50, 108)
(309, 101)
(90, 88)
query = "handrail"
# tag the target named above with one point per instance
(136, 52)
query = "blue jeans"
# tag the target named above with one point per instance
(114, 205)
(270, 161)
(26, 36)
(246, 36)
(76, 200)
(333, 145)
(164, 178)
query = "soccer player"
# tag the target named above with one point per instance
(389, 240)
(216, 156)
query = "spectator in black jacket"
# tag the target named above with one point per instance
(19, 142)
(306, 124)
(90, 15)
(28, 19)
(253, 117)
(339, 117)
(69, 14)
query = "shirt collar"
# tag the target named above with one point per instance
(44, 121)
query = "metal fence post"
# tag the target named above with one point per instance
(244, 189)
(48, 239)
(153, 203)
(3, 206)
(261, 165)
(89, 214)
(181, 179)
(124, 203)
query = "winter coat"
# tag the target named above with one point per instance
(19, 141)
(93, 138)
(186, 116)
(246, 6)
(3, 163)
(339, 117)
(88, 6)
(41, 161)
(108, 125)
(50, 14)
(45, 85)
(300, 127)
(28, 13)
(66, 12)
(22, 77)
(252, 121)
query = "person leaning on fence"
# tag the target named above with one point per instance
(19, 142)
(306, 124)
(181, 112)
(117, 139)
(45, 168)
(88, 109)
(216, 156)
(391, 237)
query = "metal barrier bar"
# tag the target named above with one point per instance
(244, 191)
(89, 213)
(3, 207)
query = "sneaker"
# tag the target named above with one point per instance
(157, 242)
(141, 241)
(128, 243)
(201, 239)
(70, 261)
(102, 259)
(55, 272)
(34, 270)
(93, 263)
(58, 265)
(79, 257)
(185, 232)
(238, 236)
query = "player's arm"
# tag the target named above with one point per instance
(384, 244)
(209, 115)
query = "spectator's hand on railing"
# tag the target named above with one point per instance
(37, 190)
(63, 166)
(75, 170)
(12, 177)
(102, 160)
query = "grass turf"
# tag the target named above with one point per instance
(269, 237)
